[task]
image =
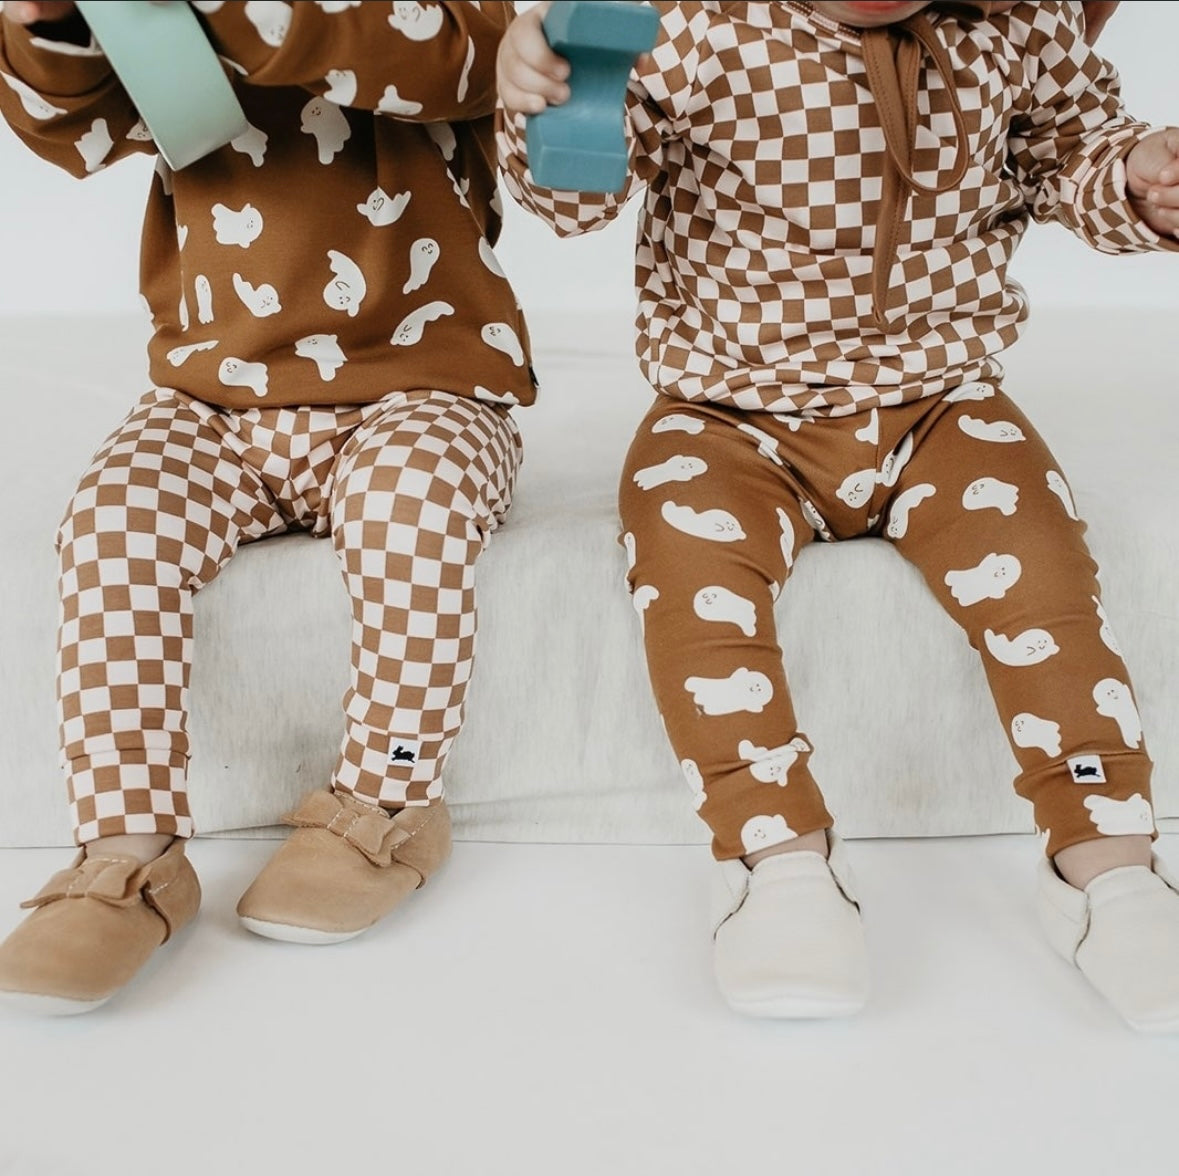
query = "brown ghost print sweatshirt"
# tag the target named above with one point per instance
(340, 249)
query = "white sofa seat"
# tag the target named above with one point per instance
(562, 741)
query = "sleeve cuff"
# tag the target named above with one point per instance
(58, 69)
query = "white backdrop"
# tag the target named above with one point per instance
(67, 246)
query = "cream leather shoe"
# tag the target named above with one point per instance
(1122, 932)
(789, 941)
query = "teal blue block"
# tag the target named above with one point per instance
(164, 60)
(581, 145)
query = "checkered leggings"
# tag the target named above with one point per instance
(409, 488)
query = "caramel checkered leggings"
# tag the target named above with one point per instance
(409, 488)
(716, 506)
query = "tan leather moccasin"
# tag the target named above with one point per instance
(346, 865)
(93, 926)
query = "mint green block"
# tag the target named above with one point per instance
(164, 60)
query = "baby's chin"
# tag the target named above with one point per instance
(867, 14)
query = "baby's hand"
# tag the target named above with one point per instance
(25, 12)
(530, 75)
(1152, 177)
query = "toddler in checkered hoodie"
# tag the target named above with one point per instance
(335, 349)
(832, 193)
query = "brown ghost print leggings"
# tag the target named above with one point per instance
(409, 489)
(716, 506)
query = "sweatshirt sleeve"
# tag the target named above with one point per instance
(659, 101)
(415, 60)
(65, 103)
(1068, 148)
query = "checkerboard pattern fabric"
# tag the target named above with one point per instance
(409, 487)
(758, 139)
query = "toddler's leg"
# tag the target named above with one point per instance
(160, 510)
(712, 528)
(990, 521)
(418, 491)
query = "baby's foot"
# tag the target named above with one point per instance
(790, 942)
(1122, 932)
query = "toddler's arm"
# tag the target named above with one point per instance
(418, 62)
(1070, 148)
(59, 93)
(531, 76)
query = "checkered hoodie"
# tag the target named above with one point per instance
(341, 248)
(829, 215)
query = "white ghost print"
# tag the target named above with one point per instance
(252, 142)
(443, 135)
(419, 22)
(381, 209)
(324, 351)
(95, 145)
(628, 544)
(392, 103)
(241, 227)
(1028, 648)
(974, 391)
(786, 538)
(35, 106)
(678, 422)
(695, 779)
(334, 7)
(869, 433)
(718, 525)
(895, 462)
(324, 121)
(1120, 818)
(902, 505)
(423, 255)
(181, 236)
(990, 580)
(501, 337)
(261, 301)
(238, 373)
(811, 514)
(272, 19)
(771, 765)
(856, 489)
(1028, 730)
(679, 468)
(1105, 632)
(1059, 487)
(991, 494)
(347, 289)
(341, 86)
(642, 599)
(715, 603)
(178, 355)
(508, 398)
(1001, 432)
(182, 310)
(204, 298)
(744, 690)
(1114, 701)
(766, 445)
(139, 133)
(764, 832)
(412, 327)
(465, 74)
(489, 259)
(165, 173)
